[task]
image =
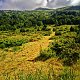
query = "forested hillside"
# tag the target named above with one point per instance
(74, 8)
(12, 20)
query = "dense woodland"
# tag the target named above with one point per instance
(12, 20)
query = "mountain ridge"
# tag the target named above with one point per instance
(64, 8)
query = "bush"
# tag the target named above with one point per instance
(66, 53)
(44, 27)
(71, 29)
(48, 29)
(69, 57)
(16, 48)
(22, 30)
(79, 26)
(68, 74)
(78, 39)
(11, 43)
(47, 33)
(57, 33)
(54, 29)
(2, 45)
(45, 54)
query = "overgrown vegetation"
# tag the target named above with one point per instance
(12, 20)
(66, 45)
(19, 30)
(11, 43)
(67, 74)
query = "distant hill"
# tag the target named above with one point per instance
(69, 8)
(42, 8)
(73, 8)
(63, 8)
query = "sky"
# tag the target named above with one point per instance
(32, 4)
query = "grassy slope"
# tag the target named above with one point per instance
(23, 60)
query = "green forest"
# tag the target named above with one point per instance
(40, 44)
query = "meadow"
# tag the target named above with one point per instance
(40, 45)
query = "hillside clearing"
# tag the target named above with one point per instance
(23, 59)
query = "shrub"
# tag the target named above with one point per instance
(71, 29)
(57, 33)
(78, 39)
(69, 57)
(48, 29)
(68, 74)
(22, 30)
(54, 29)
(66, 53)
(44, 27)
(79, 26)
(47, 33)
(45, 54)
(11, 43)
(2, 45)
(16, 48)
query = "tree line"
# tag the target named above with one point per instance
(12, 20)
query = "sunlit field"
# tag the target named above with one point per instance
(40, 45)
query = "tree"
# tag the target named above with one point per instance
(56, 23)
(22, 30)
(44, 27)
(71, 29)
(39, 23)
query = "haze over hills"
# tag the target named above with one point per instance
(73, 8)
(40, 8)
(66, 8)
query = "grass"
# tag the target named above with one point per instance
(23, 53)
(15, 49)
(2, 55)
(17, 40)
(67, 74)
(36, 59)
(45, 55)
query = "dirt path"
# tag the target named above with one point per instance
(32, 49)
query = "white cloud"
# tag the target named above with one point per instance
(31, 4)
(75, 2)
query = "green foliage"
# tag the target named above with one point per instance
(57, 33)
(15, 49)
(22, 30)
(66, 53)
(78, 39)
(45, 54)
(54, 29)
(44, 27)
(2, 45)
(68, 74)
(47, 33)
(39, 23)
(12, 20)
(69, 57)
(66, 45)
(11, 43)
(3, 55)
(71, 29)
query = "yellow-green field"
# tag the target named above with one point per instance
(21, 60)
